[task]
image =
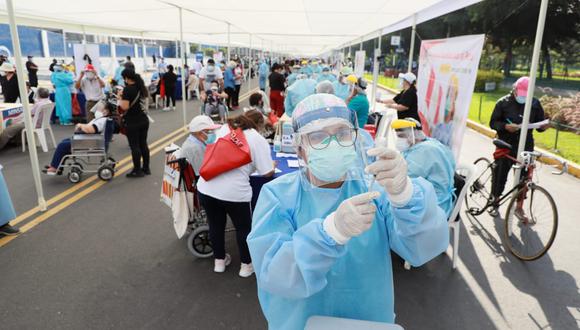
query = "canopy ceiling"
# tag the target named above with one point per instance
(294, 27)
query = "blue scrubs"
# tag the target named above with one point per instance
(300, 90)
(263, 75)
(327, 76)
(301, 271)
(341, 90)
(360, 105)
(62, 82)
(434, 162)
(7, 212)
(291, 78)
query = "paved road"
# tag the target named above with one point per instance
(111, 261)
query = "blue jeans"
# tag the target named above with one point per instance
(62, 150)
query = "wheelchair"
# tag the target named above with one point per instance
(216, 110)
(89, 154)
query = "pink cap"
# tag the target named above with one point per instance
(521, 86)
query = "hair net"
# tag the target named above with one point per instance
(318, 107)
(324, 87)
(299, 90)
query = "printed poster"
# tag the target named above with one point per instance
(445, 82)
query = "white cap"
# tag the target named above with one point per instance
(7, 67)
(409, 77)
(202, 122)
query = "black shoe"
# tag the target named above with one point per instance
(147, 171)
(135, 174)
(8, 230)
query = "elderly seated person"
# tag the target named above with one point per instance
(12, 133)
(201, 133)
(95, 126)
(427, 158)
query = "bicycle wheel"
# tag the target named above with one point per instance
(480, 191)
(531, 225)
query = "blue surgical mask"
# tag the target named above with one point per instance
(402, 144)
(331, 163)
(521, 99)
(211, 137)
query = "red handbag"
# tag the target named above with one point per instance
(227, 153)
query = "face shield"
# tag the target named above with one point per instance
(408, 133)
(329, 149)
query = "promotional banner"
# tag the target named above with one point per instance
(445, 81)
(359, 63)
(86, 54)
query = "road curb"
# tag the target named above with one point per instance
(573, 168)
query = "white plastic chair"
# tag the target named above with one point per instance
(467, 171)
(46, 111)
(194, 89)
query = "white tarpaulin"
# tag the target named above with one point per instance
(295, 27)
(446, 77)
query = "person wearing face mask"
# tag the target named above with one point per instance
(95, 126)
(263, 72)
(92, 86)
(321, 241)
(506, 120)
(427, 158)
(406, 101)
(207, 75)
(230, 193)
(202, 132)
(62, 81)
(358, 101)
(341, 86)
(9, 83)
(277, 83)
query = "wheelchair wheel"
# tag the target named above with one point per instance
(198, 242)
(110, 161)
(106, 173)
(75, 175)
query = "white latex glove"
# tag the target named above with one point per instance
(390, 170)
(353, 217)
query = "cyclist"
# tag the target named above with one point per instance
(506, 119)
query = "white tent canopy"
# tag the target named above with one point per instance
(298, 28)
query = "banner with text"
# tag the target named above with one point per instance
(445, 81)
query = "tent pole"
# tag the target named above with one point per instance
(229, 44)
(410, 65)
(376, 72)
(361, 43)
(532, 84)
(250, 65)
(24, 99)
(144, 51)
(183, 73)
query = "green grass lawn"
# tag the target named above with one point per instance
(568, 142)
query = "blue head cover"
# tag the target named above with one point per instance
(298, 91)
(320, 106)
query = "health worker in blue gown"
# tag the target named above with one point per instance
(321, 239)
(62, 81)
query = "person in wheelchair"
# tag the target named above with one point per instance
(95, 126)
(214, 102)
(202, 132)
(427, 158)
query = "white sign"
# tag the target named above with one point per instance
(218, 57)
(86, 54)
(359, 63)
(395, 41)
(445, 81)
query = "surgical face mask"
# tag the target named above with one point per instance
(210, 68)
(331, 163)
(401, 83)
(402, 144)
(2, 73)
(521, 99)
(211, 137)
(90, 75)
(98, 115)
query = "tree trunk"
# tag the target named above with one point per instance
(548, 62)
(541, 68)
(507, 61)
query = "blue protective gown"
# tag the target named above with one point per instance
(302, 272)
(291, 78)
(307, 70)
(315, 70)
(341, 90)
(62, 82)
(326, 76)
(434, 162)
(300, 90)
(263, 71)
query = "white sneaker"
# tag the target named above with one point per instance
(166, 109)
(219, 265)
(173, 108)
(246, 270)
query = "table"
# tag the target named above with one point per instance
(258, 181)
(9, 113)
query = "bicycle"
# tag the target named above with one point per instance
(526, 237)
